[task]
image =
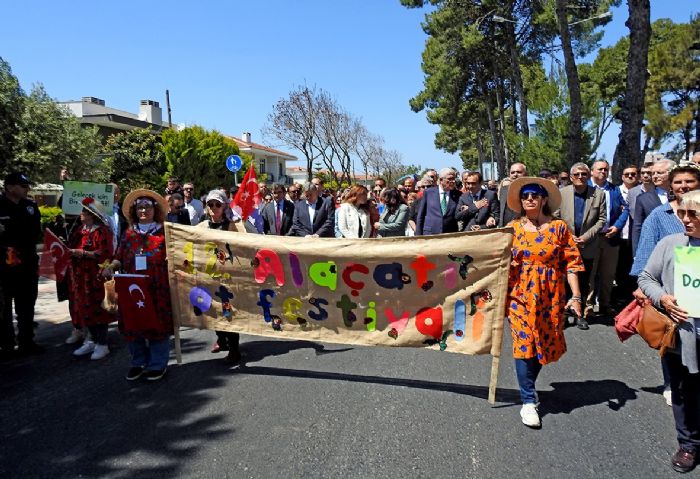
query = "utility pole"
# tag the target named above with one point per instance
(167, 102)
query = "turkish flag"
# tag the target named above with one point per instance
(248, 196)
(55, 257)
(135, 303)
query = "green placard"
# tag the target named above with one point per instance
(75, 191)
(687, 279)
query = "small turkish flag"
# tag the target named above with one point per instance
(55, 257)
(135, 302)
(248, 196)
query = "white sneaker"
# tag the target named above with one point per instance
(101, 350)
(75, 336)
(667, 397)
(86, 348)
(530, 416)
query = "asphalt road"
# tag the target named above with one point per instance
(302, 409)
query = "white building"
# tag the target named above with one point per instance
(266, 160)
(93, 111)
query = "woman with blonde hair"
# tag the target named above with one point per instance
(353, 214)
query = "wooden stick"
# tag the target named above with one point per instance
(173, 292)
(495, 361)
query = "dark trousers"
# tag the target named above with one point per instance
(626, 284)
(19, 289)
(228, 341)
(685, 395)
(98, 333)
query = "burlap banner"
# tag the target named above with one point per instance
(445, 292)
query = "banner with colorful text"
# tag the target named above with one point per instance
(445, 292)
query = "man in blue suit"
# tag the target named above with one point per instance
(314, 216)
(616, 216)
(436, 213)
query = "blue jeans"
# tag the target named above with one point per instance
(152, 355)
(527, 371)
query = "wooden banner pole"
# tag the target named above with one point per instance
(173, 295)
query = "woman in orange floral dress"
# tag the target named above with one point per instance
(544, 258)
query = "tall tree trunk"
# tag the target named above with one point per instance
(627, 152)
(517, 78)
(574, 134)
(696, 148)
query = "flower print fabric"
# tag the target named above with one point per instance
(537, 288)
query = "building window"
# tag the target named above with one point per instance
(280, 169)
(261, 166)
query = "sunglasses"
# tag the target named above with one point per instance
(529, 195)
(692, 214)
(629, 175)
(580, 175)
(214, 204)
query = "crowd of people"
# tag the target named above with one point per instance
(584, 246)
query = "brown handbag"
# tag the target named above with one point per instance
(657, 329)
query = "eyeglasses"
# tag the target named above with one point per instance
(692, 214)
(580, 174)
(659, 173)
(214, 204)
(629, 175)
(530, 195)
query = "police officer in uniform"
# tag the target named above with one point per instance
(19, 263)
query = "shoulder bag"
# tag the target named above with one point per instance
(657, 329)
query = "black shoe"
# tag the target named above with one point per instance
(155, 374)
(683, 460)
(581, 323)
(30, 349)
(134, 373)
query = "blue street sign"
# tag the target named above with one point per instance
(234, 163)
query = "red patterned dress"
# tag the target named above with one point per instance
(537, 286)
(151, 244)
(86, 284)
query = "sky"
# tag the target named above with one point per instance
(226, 63)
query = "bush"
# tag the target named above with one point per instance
(48, 213)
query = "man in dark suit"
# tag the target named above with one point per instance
(278, 214)
(506, 214)
(477, 208)
(646, 202)
(436, 212)
(314, 216)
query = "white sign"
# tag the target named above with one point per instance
(75, 191)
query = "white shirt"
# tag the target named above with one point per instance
(663, 195)
(625, 195)
(312, 210)
(195, 208)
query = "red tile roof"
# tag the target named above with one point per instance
(258, 146)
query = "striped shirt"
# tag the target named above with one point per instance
(661, 222)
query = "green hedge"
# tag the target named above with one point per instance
(48, 213)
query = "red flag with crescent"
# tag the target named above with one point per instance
(135, 302)
(55, 257)
(248, 196)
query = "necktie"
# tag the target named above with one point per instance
(443, 202)
(278, 218)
